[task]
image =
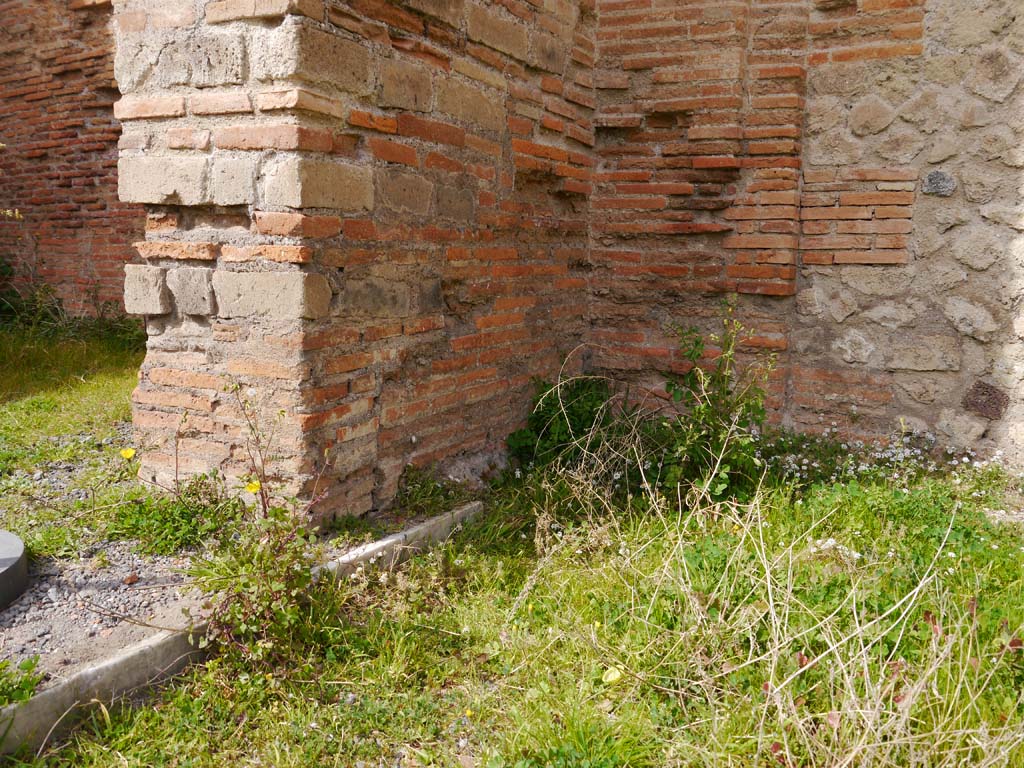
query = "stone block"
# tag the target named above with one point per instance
(162, 180)
(377, 297)
(233, 181)
(403, 191)
(145, 290)
(497, 31)
(304, 183)
(969, 318)
(216, 60)
(406, 86)
(471, 104)
(924, 353)
(298, 52)
(192, 288)
(939, 183)
(995, 73)
(275, 295)
(986, 400)
(455, 203)
(871, 115)
(548, 53)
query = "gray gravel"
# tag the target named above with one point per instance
(77, 612)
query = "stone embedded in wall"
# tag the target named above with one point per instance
(943, 148)
(891, 315)
(492, 28)
(233, 180)
(961, 429)
(405, 191)
(969, 318)
(939, 183)
(163, 180)
(377, 297)
(900, 145)
(854, 347)
(986, 400)
(145, 290)
(924, 353)
(1000, 213)
(281, 295)
(995, 73)
(406, 85)
(928, 110)
(192, 288)
(871, 115)
(300, 182)
(977, 246)
(301, 53)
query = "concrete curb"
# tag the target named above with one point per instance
(392, 550)
(32, 723)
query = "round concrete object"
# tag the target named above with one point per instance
(13, 568)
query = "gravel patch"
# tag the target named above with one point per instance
(77, 612)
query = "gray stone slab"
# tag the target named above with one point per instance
(13, 568)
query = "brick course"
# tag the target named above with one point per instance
(59, 166)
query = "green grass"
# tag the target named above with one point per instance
(863, 621)
(60, 386)
(62, 395)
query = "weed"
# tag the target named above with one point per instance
(18, 683)
(713, 441)
(170, 523)
(561, 416)
(424, 492)
(259, 577)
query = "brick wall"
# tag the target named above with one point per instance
(378, 220)
(59, 166)
(699, 138)
(383, 210)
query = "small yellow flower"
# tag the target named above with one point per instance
(611, 676)
(469, 713)
(127, 454)
(253, 486)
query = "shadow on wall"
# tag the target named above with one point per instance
(909, 305)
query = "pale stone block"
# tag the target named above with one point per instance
(192, 288)
(145, 290)
(297, 52)
(162, 180)
(403, 191)
(471, 104)
(233, 181)
(405, 85)
(277, 295)
(304, 183)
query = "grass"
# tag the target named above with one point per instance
(62, 396)
(856, 608)
(60, 387)
(866, 622)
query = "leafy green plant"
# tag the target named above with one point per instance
(18, 683)
(259, 577)
(713, 440)
(562, 417)
(184, 519)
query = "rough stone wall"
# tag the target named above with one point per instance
(913, 231)
(370, 216)
(59, 166)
